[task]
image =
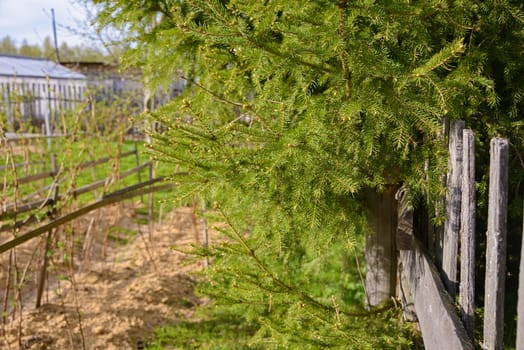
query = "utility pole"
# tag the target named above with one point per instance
(54, 35)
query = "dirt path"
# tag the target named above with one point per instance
(119, 299)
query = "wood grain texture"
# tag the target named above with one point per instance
(440, 326)
(496, 245)
(380, 253)
(467, 234)
(453, 198)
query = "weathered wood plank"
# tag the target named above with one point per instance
(20, 165)
(47, 246)
(380, 245)
(101, 183)
(102, 160)
(438, 231)
(38, 193)
(404, 241)
(440, 326)
(150, 204)
(520, 306)
(14, 137)
(452, 223)
(117, 196)
(30, 178)
(11, 210)
(31, 219)
(496, 245)
(467, 235)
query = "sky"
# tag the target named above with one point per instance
(32, 20)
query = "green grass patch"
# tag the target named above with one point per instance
(71, 154)
(121, 235)
(222, 332)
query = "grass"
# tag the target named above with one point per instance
(121, 235)
(225, 326)
(223, 332)
(70, 153)
(214, 331)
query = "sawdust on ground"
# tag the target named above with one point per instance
(124, 289)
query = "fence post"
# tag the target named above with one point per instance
(438, 231)
(405, 241)
(380, 245)
(496, 245)
(150, 214)
(452, 224)
(520, 306)
(137, 158)
(467, 235)
(47, 246)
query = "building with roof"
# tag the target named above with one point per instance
(34, 91)
(108, 81)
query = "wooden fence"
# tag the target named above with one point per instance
(39, 100)
(433, 286)
(43, 205)
(44, 197)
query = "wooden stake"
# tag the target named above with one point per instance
(467, 235)
(496, 245)
(150, 211)
(47, 246)
(381, 254)
(137, 158)
(452, 224)
(43, 270)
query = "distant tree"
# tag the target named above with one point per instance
(67, 53)
(48, 48)
(8, 46)
(29, 50)
(85, 53)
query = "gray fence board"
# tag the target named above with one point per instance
(496, 245)
(440, 326)
(452, 223)
(130, 192)
(381, 210)
(103, 160)
(467, 235)
(101, 183)
(30, 178)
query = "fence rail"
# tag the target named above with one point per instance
(11, 209)
(117, 196)
(42, 206)
(442, 327)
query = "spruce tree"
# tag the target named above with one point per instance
(293, 109)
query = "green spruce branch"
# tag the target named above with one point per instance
(303, 297)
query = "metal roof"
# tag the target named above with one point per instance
(28, 67)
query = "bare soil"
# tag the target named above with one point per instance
(124, 285)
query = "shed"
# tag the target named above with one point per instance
(108, 81)
(34, 90)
